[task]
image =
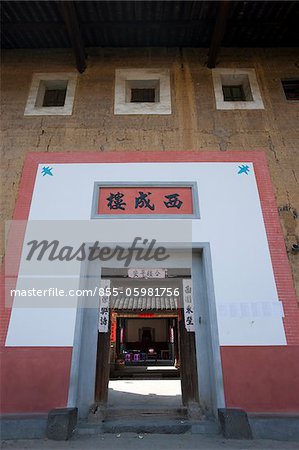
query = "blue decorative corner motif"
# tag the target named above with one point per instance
(244, 169)
(47, 171)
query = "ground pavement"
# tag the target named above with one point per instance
(132, 441)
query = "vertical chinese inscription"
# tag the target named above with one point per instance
(188, 305)
(103, 324)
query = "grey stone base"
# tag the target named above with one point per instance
(281, 427)
(61, 423)
(23, 426)
(234, 423)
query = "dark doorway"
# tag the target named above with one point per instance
(144, 342)
(151, 345)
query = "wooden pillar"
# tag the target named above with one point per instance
(103, 367)
(189, 378)
(176, 342)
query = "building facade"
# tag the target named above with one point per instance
(155, 147)
(151, 144)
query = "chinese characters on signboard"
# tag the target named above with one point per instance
(116, 201)
(188, 305)
(113, 327)
(146, 273)
(103, 324)
(152, 200)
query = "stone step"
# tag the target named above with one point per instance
(205, 427)
(87, 428)
(145, 411)
(145, 419)
(157, 424)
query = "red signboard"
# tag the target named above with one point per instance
(113, 327)
(148, 200)
(146, 316)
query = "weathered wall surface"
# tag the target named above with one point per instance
(195, 124)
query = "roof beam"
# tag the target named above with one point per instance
(218, 33)
(74, 32)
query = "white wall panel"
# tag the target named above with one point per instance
(230, 220)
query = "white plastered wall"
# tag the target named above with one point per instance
(248, 308)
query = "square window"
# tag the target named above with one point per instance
(51, 94)
(140, 95)
(291, 89)
(142, 91)
(236, 89)
(233, 93)
(54, 97)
